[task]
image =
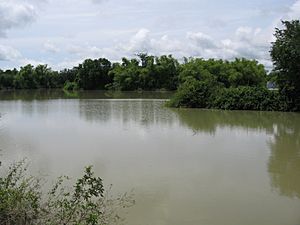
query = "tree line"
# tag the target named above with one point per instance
(144, 72)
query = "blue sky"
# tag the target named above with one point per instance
(61, 33)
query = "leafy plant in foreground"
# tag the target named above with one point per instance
(22, 201)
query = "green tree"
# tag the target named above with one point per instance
(240, 72)
(285, 53)
(46, 78)
(93, 74)
(7, 78)
(194, 93)
(126, 75)
(26, 78)
(166, 72)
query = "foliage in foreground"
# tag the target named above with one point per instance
(22, 201)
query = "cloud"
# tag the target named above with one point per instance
(294, 12)
(140, 42)
(98, 1)
(8, 53)
(203, 40)
(246, 42)
(26, 61)
(50, 47)
(15, 13)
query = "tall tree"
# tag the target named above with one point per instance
(285, 54)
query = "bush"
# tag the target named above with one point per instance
(249, 98)
(194, 94)
(19, 197)
(71, 86)
(23, 203)
(208, 94)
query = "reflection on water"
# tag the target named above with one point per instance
(185, 166)
(284, 162)
(41, 94)
(146, 112)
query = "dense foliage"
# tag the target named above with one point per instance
(286, 56)
(147, 73)
(142, 73)
(22, 201)
(240, 85)
(249, 98)
(210, 94)
(194, 94)
(240, 72)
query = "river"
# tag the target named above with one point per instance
(185, 166)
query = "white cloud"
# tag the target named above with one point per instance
(15, 13)
(294, 12)
(51, 47)
(98, 1)
(8, 53)
(140, 42)
(246, 42)
(26, 61)
(202, 40)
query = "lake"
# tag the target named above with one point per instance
(185, 166)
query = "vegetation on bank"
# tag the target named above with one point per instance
(22, 201)
(209, 94)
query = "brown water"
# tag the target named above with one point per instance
(186, 166)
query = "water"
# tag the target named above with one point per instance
(186, 166)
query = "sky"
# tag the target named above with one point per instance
(62, 33)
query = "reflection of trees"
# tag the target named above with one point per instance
(28, 95)
(209, 120)
(284, 162)
(45, 94)
(144, 112)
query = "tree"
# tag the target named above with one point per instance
(93, 74)
(285, 53)
(241, 72)
(26, 78)
(7, 78)
(46, 78)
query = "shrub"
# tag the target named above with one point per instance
(87, 203)
(19, 197)
(71, 86)
(193, 94)
(248, 98)
(204, 94)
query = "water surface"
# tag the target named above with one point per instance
(186, 166)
